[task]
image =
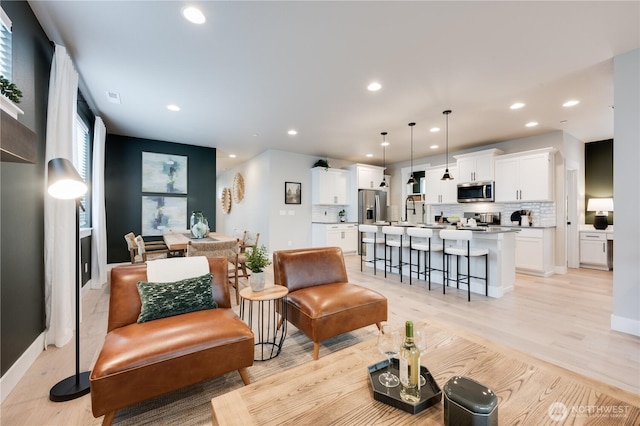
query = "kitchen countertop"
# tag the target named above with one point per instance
(527, 227)
(335, 223)
(498, 229)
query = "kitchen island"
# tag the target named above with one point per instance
(500, 242)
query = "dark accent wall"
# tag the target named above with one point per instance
(22, 195)
(123, 186)
(598, 174)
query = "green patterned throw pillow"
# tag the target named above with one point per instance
(160, 300)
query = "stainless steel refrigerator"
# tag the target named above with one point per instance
(372, 206)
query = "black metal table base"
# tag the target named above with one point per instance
(270, 331)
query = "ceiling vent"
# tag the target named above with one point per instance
(113, 97)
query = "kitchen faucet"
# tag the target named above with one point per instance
(406, 207)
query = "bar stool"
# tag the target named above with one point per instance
(461, 250)
(397, 240)
(422, 244)
(369, 235)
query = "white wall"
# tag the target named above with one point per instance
(626, 181)
(263, 204)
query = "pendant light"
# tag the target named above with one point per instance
(383, 184)
(447, 175)
(411, 180)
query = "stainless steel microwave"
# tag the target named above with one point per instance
(476, 192)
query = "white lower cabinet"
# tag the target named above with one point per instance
(594, 251)
(534, 251)
(340, 235)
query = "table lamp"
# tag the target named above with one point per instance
(602, 207)
(64, 182)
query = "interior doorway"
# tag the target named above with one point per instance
(572, 234)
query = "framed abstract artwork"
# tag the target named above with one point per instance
(292, 193)
(164, 173)
(161, 213)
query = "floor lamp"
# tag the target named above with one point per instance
(65, 183)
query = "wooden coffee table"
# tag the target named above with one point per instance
(336, 389)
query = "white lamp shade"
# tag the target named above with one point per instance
(63, 180)
(600, 205)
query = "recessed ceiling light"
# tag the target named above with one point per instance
(292, 132)
(433, 146)
(374, 86)
(173, 107)
(194, 15)
(517, 105)
(570, 103)
(369, 155)
(434, 129)
(232, 156)
(532, 124)
(384, 144)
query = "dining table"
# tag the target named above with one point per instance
(177, 242)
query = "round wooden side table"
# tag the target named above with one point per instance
(271, 311)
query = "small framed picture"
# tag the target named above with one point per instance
(292, 193)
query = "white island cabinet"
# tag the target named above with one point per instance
(502, 270)
(525, 176)
(343, 235)
(534, 251)
(329, 186)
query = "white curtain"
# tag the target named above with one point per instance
(60, 215)
(98, 215)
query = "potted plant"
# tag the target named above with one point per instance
(342, 213)
(10, 97)
(257, 260)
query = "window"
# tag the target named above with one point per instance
(5, 46)
(82, 165)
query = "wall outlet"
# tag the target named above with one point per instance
(289, 243)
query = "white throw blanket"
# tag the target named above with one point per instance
(177, 268)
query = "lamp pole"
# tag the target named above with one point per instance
(66, 183)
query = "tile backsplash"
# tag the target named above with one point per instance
(329, 214)
(544, 214)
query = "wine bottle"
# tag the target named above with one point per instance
(409, 356)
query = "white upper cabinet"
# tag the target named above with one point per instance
(526, 176)
(439, 191)
(477, 166)
(369, 177)
(329, 186)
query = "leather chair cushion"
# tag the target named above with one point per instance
(138, 345)
(324, 311)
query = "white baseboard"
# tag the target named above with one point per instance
(11, 378)
(625, 325)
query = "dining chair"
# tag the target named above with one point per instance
(227, 248)
(134, 252)
(249, 240)
(151, 250)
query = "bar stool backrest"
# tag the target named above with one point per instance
(457, 234)
(420, 232)
(393, 230)
(367, 228)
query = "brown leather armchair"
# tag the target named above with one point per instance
(141, 361)
(321, 302)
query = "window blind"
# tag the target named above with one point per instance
(82, 165)
(5, 46)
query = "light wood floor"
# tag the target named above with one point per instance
(563, 319)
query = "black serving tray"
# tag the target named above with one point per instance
(430, 393)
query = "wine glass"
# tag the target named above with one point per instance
(389, 345)
(420, 340)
